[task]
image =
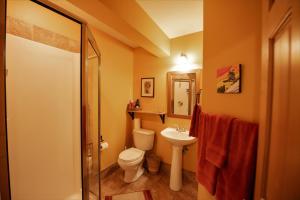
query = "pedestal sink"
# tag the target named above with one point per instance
(178, 140)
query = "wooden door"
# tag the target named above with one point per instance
(278, 170)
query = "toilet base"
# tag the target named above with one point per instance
(132, 175)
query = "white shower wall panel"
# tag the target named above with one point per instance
(43, 112)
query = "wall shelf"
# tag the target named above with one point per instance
(162, 115)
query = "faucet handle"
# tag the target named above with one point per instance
(176, 126)
(182, 129)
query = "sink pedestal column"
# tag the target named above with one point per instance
(176, 168)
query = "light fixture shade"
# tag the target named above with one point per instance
(183, 59)
(183, 63)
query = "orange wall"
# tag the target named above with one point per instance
(231, 36)
(136, 17)
(147, 65)
(116, 90)
(93, 106)
(111, 15)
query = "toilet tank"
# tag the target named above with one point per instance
(143, 139)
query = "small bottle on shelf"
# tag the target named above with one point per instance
(137, 104)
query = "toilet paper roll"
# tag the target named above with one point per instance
(104, 145)
(136, 123)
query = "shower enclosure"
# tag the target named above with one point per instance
(51, 130)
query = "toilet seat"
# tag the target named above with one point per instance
(131, 156)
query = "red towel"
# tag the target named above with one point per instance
(213, 134)
(195, 122)
(206, 171)
(236, 178)
(218, 139)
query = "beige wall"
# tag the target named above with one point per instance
(146, 65)
(116, 91)
(231, 36)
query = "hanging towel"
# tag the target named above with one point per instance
(209, 129)
(236, 178)
(206, 171)
(195, 122)
(218, 140)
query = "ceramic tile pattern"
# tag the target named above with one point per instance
(32, 32)
(19, 28)
(112, 183)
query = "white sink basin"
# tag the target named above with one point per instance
(178, 140)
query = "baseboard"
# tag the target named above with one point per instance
(165, 167)
(110, 169)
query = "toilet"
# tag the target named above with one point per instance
(131, 160)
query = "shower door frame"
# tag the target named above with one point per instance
(90, 39)
(4, 168)
(86, 36)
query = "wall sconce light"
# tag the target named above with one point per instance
(183, 59)
(183, 63)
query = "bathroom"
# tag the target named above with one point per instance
(32, 28)
(150, 120)
(93, 91)
(145, 65)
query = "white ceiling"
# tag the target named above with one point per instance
(175, 17)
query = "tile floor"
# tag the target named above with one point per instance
(112, 183)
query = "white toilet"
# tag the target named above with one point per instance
(131, 160)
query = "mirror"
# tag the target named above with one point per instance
(182, 92)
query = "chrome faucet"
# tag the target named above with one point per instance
(179, 129)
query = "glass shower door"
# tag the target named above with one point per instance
(53, 104)
(93, 119)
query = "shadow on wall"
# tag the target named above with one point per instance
(129, 128)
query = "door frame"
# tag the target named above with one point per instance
(85, 35)
(4, 167)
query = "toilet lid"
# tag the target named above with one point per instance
(131, 154)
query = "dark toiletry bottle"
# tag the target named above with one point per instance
(137, 104)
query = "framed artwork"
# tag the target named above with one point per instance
(229, 79)
(147, 87)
